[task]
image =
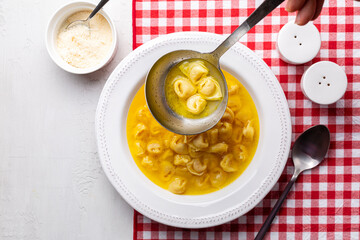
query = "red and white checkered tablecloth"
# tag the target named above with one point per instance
(324, 204)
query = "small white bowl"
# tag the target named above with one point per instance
(53, 28)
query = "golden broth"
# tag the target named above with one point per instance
(199, 164)
(179, 105)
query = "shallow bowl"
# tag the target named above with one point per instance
(193, 211)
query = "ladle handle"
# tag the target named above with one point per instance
(265, 227)
(263, 10)
(98, 7)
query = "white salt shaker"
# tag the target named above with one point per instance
(324, 82)
(298, 44)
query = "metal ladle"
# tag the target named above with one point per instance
(309, 150)
(155, 80)
(86, 22)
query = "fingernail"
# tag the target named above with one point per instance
(298, 22)
(287, 8)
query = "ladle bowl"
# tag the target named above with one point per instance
(155, 94)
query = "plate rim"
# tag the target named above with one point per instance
(230, 213)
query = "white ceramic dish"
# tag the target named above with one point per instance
(53, 28)
(203, 210)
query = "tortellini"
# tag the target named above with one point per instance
(181, 171)
(248, 131)
(240, 153)
(192, 88)
(149, 163)
(178, 185)
(220, 148)
(155, 128)
(181, 160)
(140, 149)
(211, 160)
(237, 135)
(196, 167)
(154, 147)
(189, 138)
(184, 88)
(234, 102)
(194, 70)
(217, 177)
(200, 142)
(242, 116)
(228, 163)
(195, 152)
(213, 135)
(228, 116)
(167, 170)
(168, 155)
(225, 131)
(201, 163)
(141, 131)
(196, 104)
(143, 113)
(177, 144)
(234, 89)
(210, 88)
(202, 181)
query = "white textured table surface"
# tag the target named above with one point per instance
(52, 185)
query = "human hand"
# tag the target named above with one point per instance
(307, 9)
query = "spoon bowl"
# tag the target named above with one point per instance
(311, 147)
(86, 22)
(79, 22)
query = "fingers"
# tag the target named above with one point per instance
(319, 5)
(294, 5)
(307, 9)
(306, 13)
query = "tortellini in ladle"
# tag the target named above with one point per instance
(196, 104)
(194, 87)
(194, 70)
(210, 88)
(184, 88)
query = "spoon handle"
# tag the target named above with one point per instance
(263, 10)
(265, 227)
(98, 7)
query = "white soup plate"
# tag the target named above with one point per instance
(191, 211)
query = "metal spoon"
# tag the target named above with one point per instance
(155, 80)
(308, 151)
(87, 21)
